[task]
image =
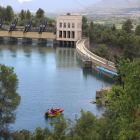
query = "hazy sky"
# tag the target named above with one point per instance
(46, 5)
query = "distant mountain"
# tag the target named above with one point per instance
(114, 6)
(103, 7)
(108, 3)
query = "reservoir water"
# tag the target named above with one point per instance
(50, 76)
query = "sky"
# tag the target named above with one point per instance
(46, 5)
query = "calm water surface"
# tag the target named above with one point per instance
(50, 76)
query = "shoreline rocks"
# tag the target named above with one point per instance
(93, 102)
(99, 96)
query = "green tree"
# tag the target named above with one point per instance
(127, 26)
(34, 24)
(91, 25)
(9, 13)
(137, 30)
(98, 30)
(9, 98)
(84, 20)
(60, 127)
(50, 21)
(17, 136)
(99, 27)
(113, 27)
(105, 37)
(20, 135)
(121, 41)
(113, 40)
(26, 134)
(126, 100)
(22, 14)
(136, 41)
(102, 48)
(38, 134)
(85, 127)
(28, 14)
(68, 13)
(123, 33)
(40, 13)
(91, 31)
(130, 51)
(84, 23)
(3, 12)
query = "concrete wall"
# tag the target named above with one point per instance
(20, 34)
(65, 29)
(96, 60)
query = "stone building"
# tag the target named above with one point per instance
(69, 29)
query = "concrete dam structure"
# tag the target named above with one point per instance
(93, 61)
(67, 31)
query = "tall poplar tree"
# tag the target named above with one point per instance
(3, 12)
(28, 14)
(22, 14)
(9, 13)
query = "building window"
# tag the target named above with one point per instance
(72, 25)
(68, 25)
(60, 25)
(64, 34)
(73, 34)
(64, 25)
(60, 34)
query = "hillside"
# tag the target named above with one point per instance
(115, 6)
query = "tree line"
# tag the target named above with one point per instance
(8, 15)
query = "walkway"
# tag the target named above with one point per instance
(85, 54)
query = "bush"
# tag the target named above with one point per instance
(102, 48)
(6, 23)
(138, 53)
(22, 23)
(96, 52)
(34, 24)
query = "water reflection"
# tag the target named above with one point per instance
(66, 57)
(27, 47)
(95, 74)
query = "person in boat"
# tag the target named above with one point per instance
(48, 111)
(51, 109)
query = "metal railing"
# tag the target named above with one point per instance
(31, 29)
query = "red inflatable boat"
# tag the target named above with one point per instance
(53, 112)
